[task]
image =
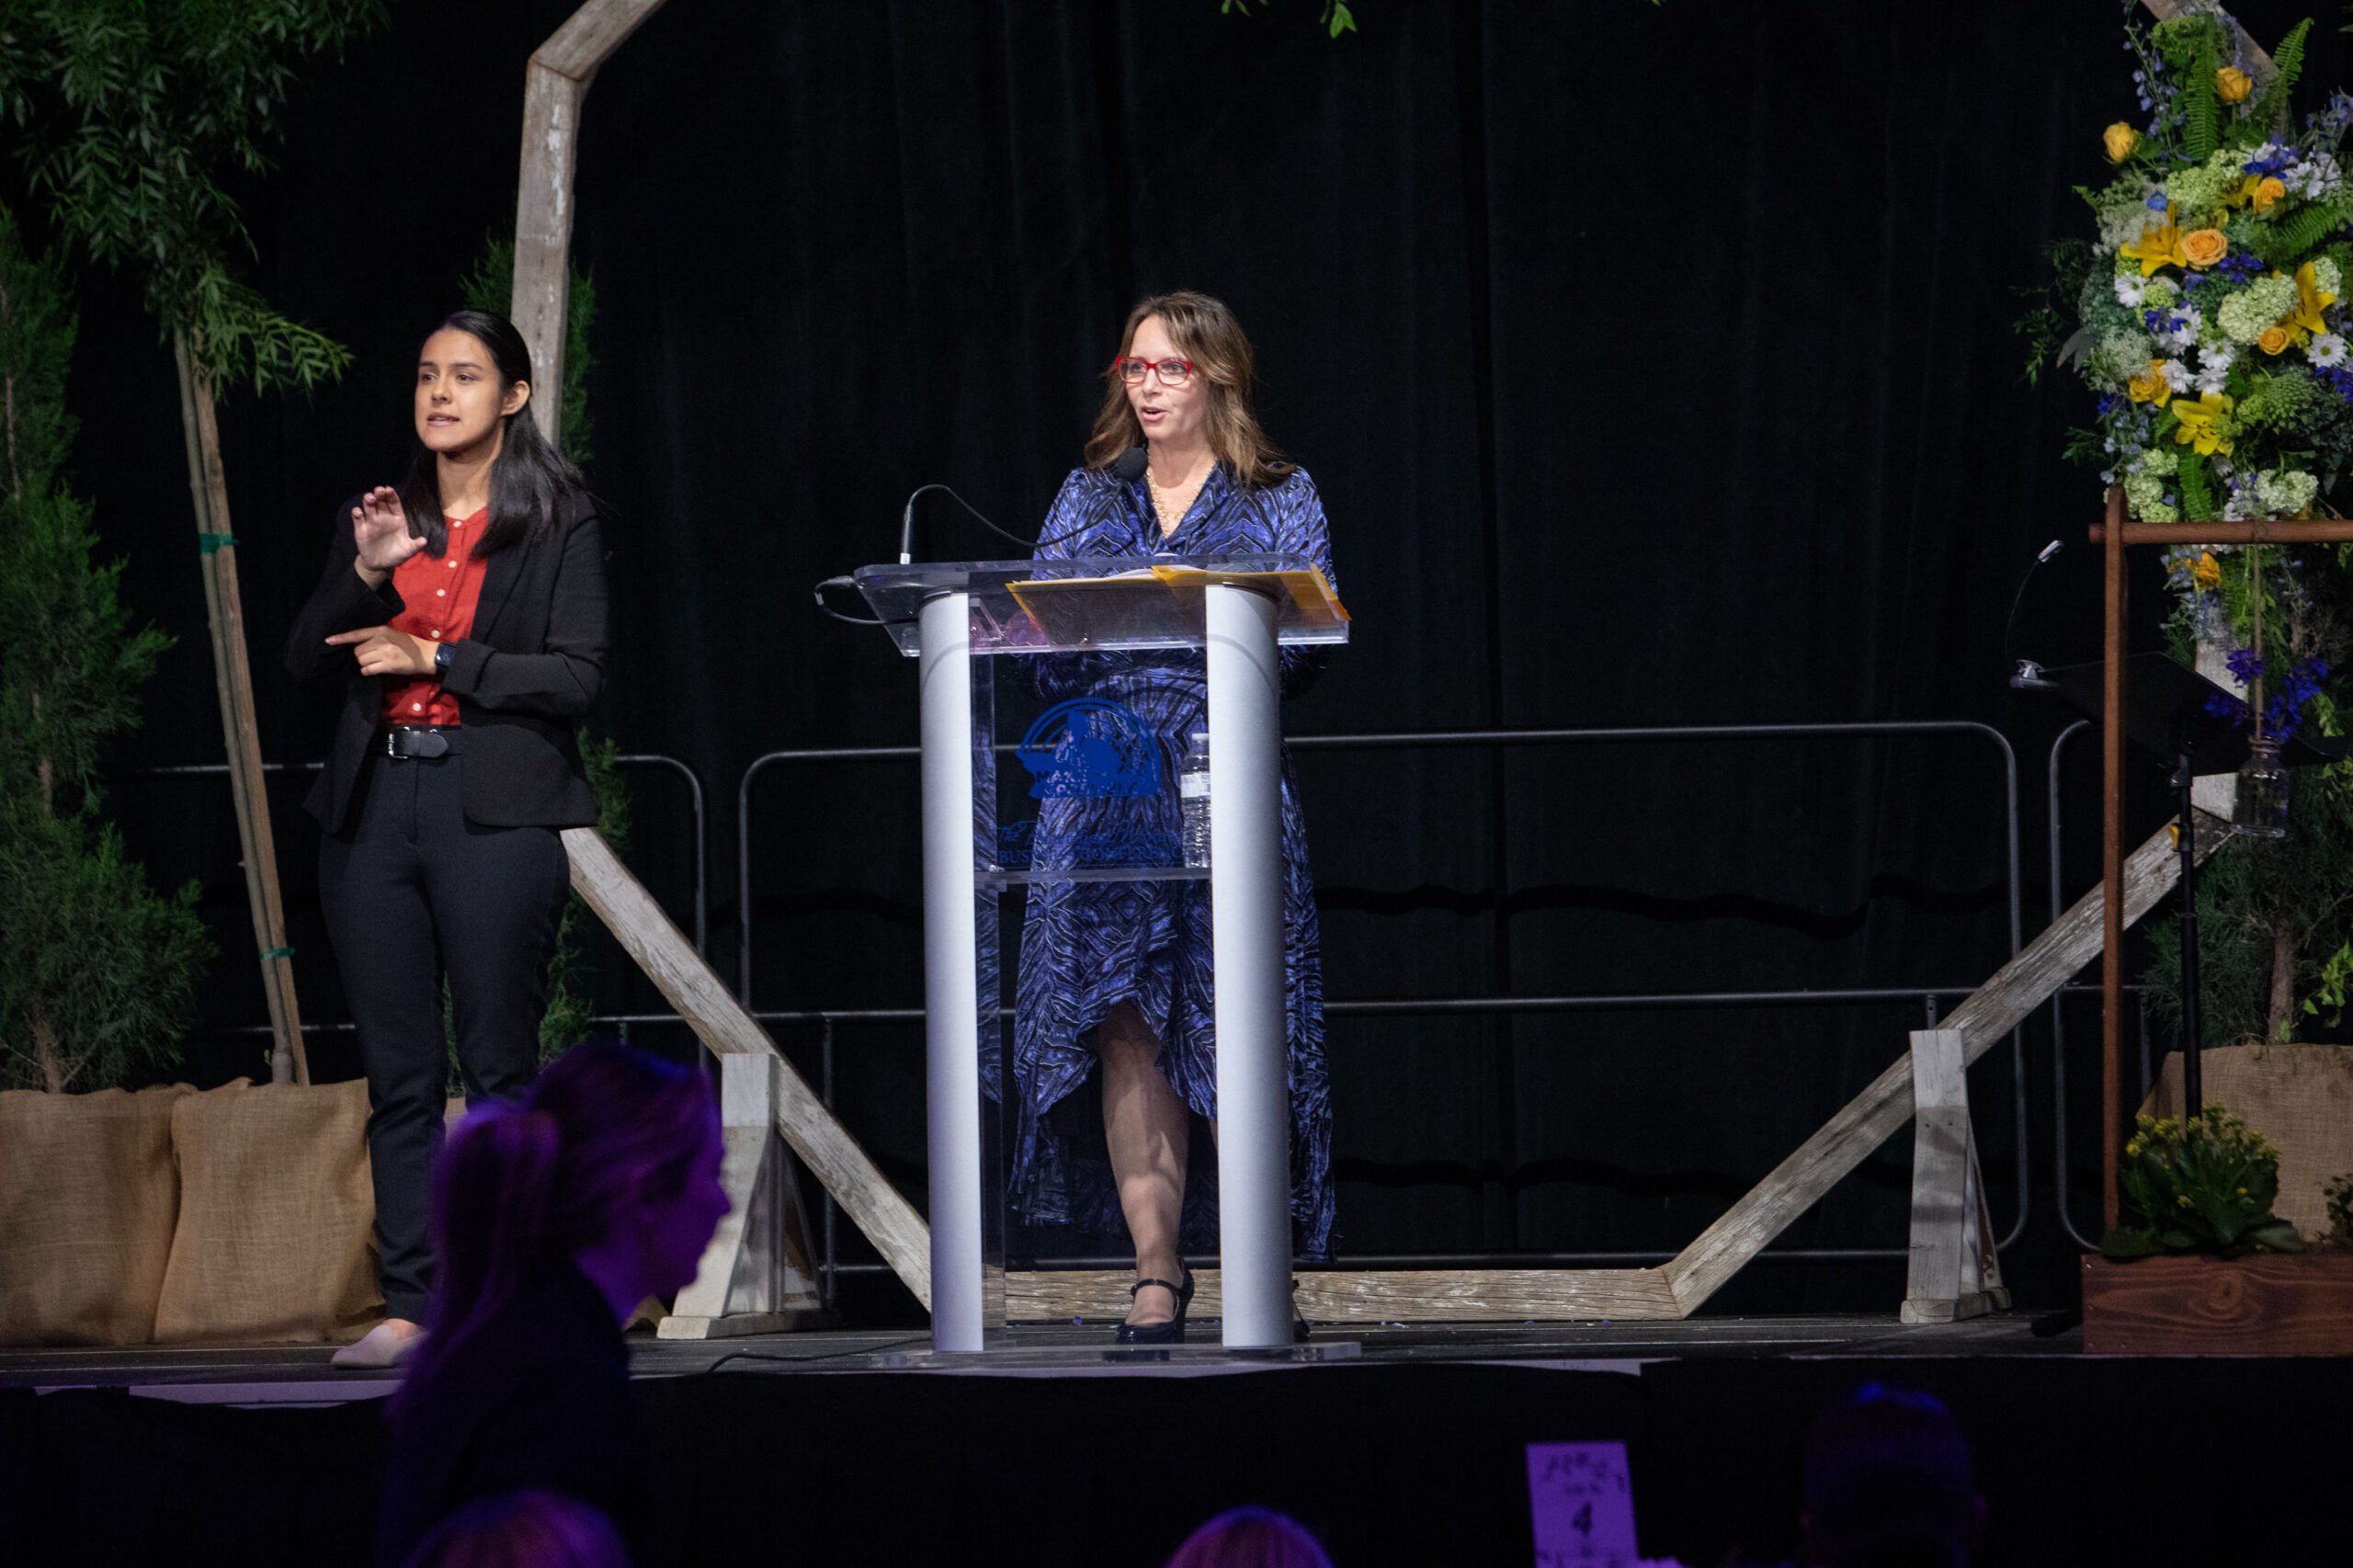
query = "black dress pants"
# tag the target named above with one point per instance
(415, 893)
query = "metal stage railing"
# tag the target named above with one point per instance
(827, 1020)
(627, 760)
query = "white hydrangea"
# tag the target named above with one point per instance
(2159, 292)
(2326, 277)
(2146, 493)
(2287, 491)
(2160, 460)
(2328, 350)
(2246, 313)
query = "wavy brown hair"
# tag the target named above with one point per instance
(1206, 333)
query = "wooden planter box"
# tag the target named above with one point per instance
(2265, 1304)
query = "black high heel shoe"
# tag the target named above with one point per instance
(1169, 1333)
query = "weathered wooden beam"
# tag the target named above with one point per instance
(555, 84)
(1438, 1295)
(678, 972)
(1871, 1118)
(233, 679)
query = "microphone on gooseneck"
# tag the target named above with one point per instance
(1129, 466)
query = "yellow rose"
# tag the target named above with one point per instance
(2267, 191)
(2208, 572)
(2152, 387)
(2274, 339)
(2204, 247)
(2232, 84)
(2120, 139)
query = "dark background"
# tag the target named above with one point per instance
(1654, 363)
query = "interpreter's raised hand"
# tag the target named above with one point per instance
(384, 652)
(380, 528)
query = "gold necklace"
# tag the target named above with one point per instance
(1168, 525)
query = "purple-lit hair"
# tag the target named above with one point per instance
(1251, 1537)
(522, 1529)
(520, 1186)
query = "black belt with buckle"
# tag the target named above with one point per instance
(417, 740)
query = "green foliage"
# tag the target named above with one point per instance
(1335, 16)
(2261, 898)
(130, 114)
(97, 973)
(2270, 106)
(2206, 1184)
(2339, 1192)
(2197, 500)
(565, 1022)
(71, 665)
(2045, 325)
(2192, 46)
(491, 287)
(2284, 242)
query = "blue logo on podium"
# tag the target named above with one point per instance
(1087, 748)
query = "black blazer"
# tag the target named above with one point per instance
(532, 665)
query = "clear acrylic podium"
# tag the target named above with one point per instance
(1231, 612)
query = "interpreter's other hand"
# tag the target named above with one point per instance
(384, 652)
(380, 528)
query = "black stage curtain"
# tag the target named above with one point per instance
(1655, 364)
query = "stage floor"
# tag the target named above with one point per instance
(1403, 1446)
(301, 1374)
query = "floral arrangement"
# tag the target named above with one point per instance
(2203, 1184)
(2339, 1194)
(2210, 311)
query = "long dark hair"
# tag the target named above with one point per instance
(519, 1187)
(530, 482)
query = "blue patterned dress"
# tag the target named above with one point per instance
(1087, 947)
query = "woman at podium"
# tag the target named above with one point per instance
(1115, 999)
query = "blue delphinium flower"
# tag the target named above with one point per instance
(2222, 705)
(2246, 665)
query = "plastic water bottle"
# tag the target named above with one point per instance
(1193, 794)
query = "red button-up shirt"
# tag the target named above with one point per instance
(440, 593)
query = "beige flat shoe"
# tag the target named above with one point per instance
(389, 1343)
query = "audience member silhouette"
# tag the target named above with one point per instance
(1888, 1484)
(551, 1220)
(522, 1529)
(1251, 1537)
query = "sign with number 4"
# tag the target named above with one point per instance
(1582, 1505)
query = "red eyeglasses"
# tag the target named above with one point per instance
(1172, 372)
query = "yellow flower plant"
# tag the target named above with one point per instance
(2204, 422)
(2159, 245)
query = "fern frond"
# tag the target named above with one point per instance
(2284, 240)
(2197, 500)
(2200, 127)
(2270, 110)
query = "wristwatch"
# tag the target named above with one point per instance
(443, 655)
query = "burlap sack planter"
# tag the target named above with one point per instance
(88, 1201)
(276, 1217)
(2299, 1097)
